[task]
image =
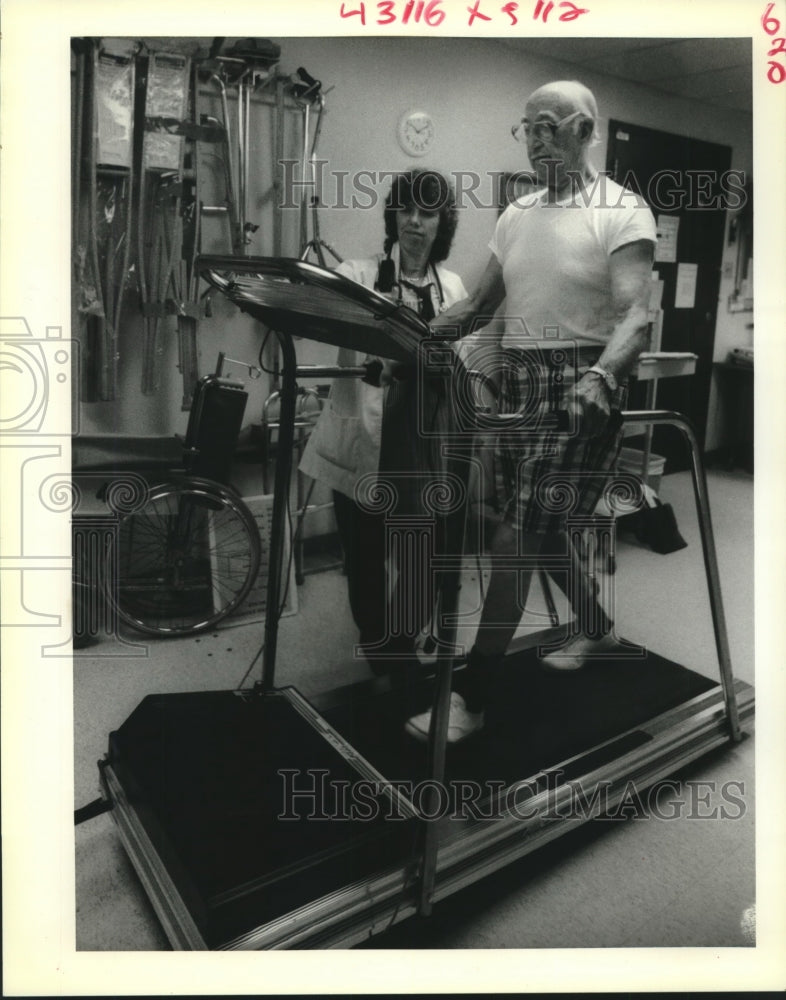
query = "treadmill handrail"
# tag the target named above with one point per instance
(438, 730)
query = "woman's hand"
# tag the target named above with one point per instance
(380, 372)
(373, 368)
(386, 374)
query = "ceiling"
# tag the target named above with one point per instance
(715, 71)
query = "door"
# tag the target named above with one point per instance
(686, 180)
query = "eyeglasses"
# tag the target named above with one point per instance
(544, 130)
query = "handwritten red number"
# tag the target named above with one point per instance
(573, 13)
(434, 14)
(361, 12)
(475, 12)
(430, 12)
(510, 9)
(385, 10)
(776, 73)
(539, 8)
(770, 24)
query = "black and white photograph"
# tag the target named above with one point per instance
(393, 533)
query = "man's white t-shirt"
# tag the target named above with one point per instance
(555, 259)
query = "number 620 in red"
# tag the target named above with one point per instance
(776, 72)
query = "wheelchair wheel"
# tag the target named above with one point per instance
(186, 558)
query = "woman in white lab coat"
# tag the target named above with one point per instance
(368, 428)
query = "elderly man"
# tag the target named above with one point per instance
(574, 262)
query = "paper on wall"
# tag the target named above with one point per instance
(666, 247)
(656, 292)
(685, 292)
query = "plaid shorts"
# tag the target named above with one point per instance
(543, 476)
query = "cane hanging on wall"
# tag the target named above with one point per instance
(184, 277)
(310, 98)
(200, 129)
(243, 70)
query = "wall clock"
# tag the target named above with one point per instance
(416, 133)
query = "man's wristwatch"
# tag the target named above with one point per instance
(608, 379)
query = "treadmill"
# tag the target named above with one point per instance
(260, 819)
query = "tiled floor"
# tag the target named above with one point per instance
(637, 882)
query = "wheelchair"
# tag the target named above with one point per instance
(179, 550)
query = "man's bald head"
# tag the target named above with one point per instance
(570, 96)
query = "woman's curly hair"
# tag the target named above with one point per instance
(429, 191)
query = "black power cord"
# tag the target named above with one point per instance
(91, 810)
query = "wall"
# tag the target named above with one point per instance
(475, 90)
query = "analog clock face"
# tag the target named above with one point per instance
(416, 133)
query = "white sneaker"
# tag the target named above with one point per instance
(461, 722)
(573, 655)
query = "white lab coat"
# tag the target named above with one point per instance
(345, 443)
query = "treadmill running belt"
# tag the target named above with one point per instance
(536, 718)
(206, 774)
